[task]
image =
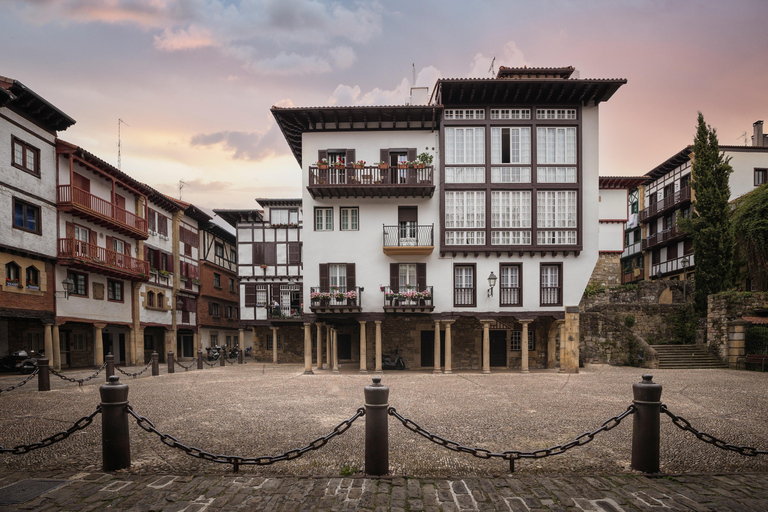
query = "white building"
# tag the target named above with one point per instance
(491, 242)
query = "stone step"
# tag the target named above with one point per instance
(686, 357)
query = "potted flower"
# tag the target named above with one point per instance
(351, 297)
(383, 165)
(403, 165)
(322, 163)
(338, 295)
(425, 296)
(359, 164)
(12, 282)
(389, 297)
(164, 273)
(340, 163)
(34, 286)
(423, 160)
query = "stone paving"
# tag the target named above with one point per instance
(84, 492)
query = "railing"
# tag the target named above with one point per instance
(510, 296)
(408, 297)
(464, 296)
(632, 249)
(335, 297)
(550, 296)
(281, 313)
(101, 207)
(409, 235)
(101, 257)
(662, 236)
(684, 194)
(370, 176)
(658, 269)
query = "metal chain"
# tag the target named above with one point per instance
(214, 363)
(684, 424)
(512, 455)
(231, 361)
(236, 460)
(134, 375)
(186, 368)
(31, 376)
(48, 441)
(79, 381)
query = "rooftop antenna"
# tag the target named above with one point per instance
(414, 73)
(492, 70)
(119, 143)
(744, 135)
(181, 187)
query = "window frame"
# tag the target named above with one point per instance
(112, 287)
(760, 176)
(472, 266)
(559, 287)
(25, 148)
(217, 280)
(519, 288)
(326, 225)
(25, 206)
(218, 249)
(349, 210)
(531, 340)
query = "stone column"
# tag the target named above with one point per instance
(48, 340)
(554, 328)
(437, 348)
(378, 346)
(135, 349)
(363, 348)
(486, 345)
(328, 346)
(98, 345)
(319, 346)
(524, 346)
(335, 351)
(448, 361)
(308, 349)
(240, 339)
(195, 343)
(274, 344)
(562, 347)
(572, 339)
(56, 348)
(736, 338)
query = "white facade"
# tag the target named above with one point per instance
(613, 215)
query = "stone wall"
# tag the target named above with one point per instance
(724, 308)
(607, 271)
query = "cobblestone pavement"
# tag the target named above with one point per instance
(84, 492)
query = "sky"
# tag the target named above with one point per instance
(193, 80)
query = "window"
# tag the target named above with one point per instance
(261, 295)
(465, 209)
(464, 146)
(284, 215)
(511, 145)
(150, 299)
(510, 238)
(510, 287)
(464, 114)
(217, 280)
(231, 284)
(26, 157)
(349, 218)
(556, 175)
(511, 175)
(556, 209)
(517, 336)
(760, 177)
(115, 290)
(465, 238)
(511, 209)
(214, 309)
(506, 113)
(78, 342)
(33, 278)
(337, 276)
(556, 145)
(551, 285)
(80, 286)
(26, 216)
(463, 285)
(552, 113)
(465, 175)
(323, 219)
(407, 276)
(233, 256)
(218, 249)
(12, 274)
(279, 342)
(160, 301)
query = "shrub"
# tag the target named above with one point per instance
(756, 340)
(629, 321)
(594, 289)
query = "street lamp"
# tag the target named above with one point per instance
(179, 303)
(491, 283)
(69, 286)
(684, 262)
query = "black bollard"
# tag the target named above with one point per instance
(170, 362)
(376, 428)
(646, 425)
(222, 356)
(115, 441)
(110, 365)
(199, 359)
(43, 375)
(155, 364)
(240, 357)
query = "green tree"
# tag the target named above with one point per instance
(710, 223)
(750, 225)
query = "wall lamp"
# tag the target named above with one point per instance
(69, 286)
(491, 283)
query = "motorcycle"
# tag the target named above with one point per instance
(234, 352)
(213, 353)
(392, 361)
(20, 361)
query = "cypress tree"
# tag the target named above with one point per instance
(710, 223)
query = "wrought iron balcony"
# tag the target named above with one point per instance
(681, 196)
(335, 300)
(101, 211)
(662, 237)
(370, 181)
(408, 300)
(409, 239)
(89, 257)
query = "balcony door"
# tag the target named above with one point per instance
(408, 221)
(81, 236)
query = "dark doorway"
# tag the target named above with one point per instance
(428, 349)
(120, 357)
(345, 346)
(498, 348)
(64, 347)
(185, 345)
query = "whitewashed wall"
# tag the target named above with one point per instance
(744, 163)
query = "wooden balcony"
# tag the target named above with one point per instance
(329, 301)
(102, 212)
(659, 207)
(371, 181)
(409, 239)
(672, 266)
(408, 300)
(91, 258)
(662, 237)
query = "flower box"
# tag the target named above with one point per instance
(383, 166)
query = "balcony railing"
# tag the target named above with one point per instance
(632, 249)
(101, 260)
(335, 298)
(662, 237)
(550, 296)
(464, 296)
(408, 299)
(681, 196)
(510, 296)
(371, 181)
(675, 265)
(409, 238)
(103, 210)
(284, 313)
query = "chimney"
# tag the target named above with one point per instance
(758, 139)
(420, 96)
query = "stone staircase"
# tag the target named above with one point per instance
(688, 357)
